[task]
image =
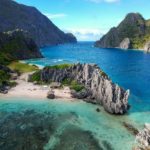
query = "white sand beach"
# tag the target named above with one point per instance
(29, 90)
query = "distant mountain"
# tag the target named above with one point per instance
(132, 33)
(17, 45)
(42, 30)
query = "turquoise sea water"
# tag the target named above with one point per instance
(62, 125)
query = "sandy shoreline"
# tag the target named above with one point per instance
(29, 90)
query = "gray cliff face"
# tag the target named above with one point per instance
(113, 98)
(125, 44)
(42, 30)
(143, 138)
(17, 44)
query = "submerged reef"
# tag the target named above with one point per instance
(33, 130)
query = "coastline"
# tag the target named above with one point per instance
(29, 90)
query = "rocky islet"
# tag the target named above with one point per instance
(99, 89)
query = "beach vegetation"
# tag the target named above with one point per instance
(73, 84)
(22, 67)
(36, 76)
(5, 59)
(60, 66)
(76, 86)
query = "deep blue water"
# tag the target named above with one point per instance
(129, 68)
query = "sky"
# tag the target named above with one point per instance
(88, 20)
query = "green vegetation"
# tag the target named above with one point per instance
(5, 59)
(12, 83)
(36, 77)
(129, 30)
(4, 77)
(74, 85)
(103, 74)
(67, 81)
(61, 66)
(22, 67)
(139, 42)
(10, 49)
(148, 23)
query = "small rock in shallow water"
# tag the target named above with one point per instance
(51, 95)
(98, 110)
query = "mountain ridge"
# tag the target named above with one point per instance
(18, 16)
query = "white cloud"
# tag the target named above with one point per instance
(55, 16)
(107, 1)
(87, 34)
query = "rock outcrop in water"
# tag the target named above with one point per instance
(101, 90)
(143, 138)
(41, 29)
(132, 33)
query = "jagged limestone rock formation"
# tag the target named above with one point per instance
(143, 138)
(18, 16)
(103, 91)
(132, 33)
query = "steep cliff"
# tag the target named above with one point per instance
(101, 90)
(16, 45)
(42, 30)
(134, 28)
